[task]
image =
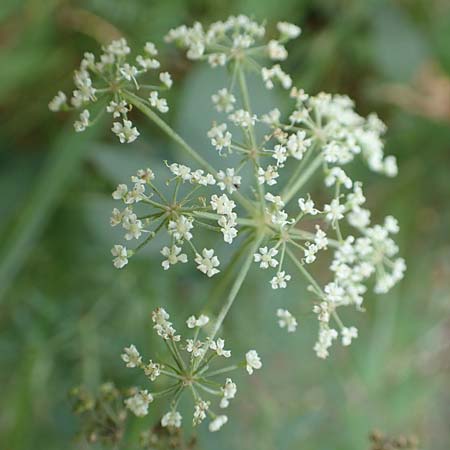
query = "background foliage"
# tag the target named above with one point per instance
(65, 313)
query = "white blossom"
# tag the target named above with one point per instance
(253, 361)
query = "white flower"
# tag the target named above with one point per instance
(227, 227)
(117, 109)
(57, 102)
(280, 280)
(242, 118)
(334, 211)
(179, 170)
(348, 334)
(120, 254)
(173, 256)
(310, 253)
(222, 204)
(133, 226)
(390, 166)
(166, 79)
(159, 103)
(280, 155)
(83, 123)
(125, 132)
(138, 404)
(147, 63)
(120, 192)
(143, 176)
(228, 180)
(220, 137)
(334, 292)
(276, 51)
(320, 238)
(336, 174)
(180, 228)
(129, 72)
(268, 175)
(297, 144)
(275, 199)
(288, 30)
(193, 322)
(253, 361)
(391, 224)
(171, 419)
(286, 320)
(200, 412)
(266, 257)
(307, 206)
(217, 346)
(229, 391)
(207, 262)
(131, 356)
(223, 100)
(218, 423)
(152, 370)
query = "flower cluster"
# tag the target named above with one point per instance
(267, 215)
(192, 372)
(107, 84)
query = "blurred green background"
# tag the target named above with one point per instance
(66, 313)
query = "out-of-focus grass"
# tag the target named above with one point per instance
(66, 313)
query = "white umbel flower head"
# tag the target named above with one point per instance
(171, 419)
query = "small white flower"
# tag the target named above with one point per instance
(288, 30)
(243, 118)
(276, 51)
(171, 419)
(218, 347)
(222, 204)
(223, 100)
(310, 253)
(267, 175)
(218, 423)
(131, 356)
(166, 79)
(193, 322)
(207, 262)
(286, 320)
(275, 199)
(83, 123)
(117, 109)
(220, 137)
(228, 180)
(138, 404)
(229, 391)
(280, 280)
(265, 257)
(152, 370)
(150, 48)
(159, 103)
(253, 361)
(129, 72)
(173, 255)
(125, 131)
(348, 334)
(57, 102)
(200, 409)
(180, 228)
(120, 254)
(307, 206)
(334, 211)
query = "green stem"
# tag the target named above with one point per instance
(296, 182)
(304, 271)
(236, 287)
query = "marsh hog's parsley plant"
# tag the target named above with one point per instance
(320, 134)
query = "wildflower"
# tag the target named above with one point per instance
(173, 255)
(159, 103)
(152, 370)
(253, 361)
(58, 102)
(286, 320)
(193, 322)
(218, 423)
(265, 257)
(224, 100)
(228, 180)
(171, 419)
(348, 334)
(207, 262)
(83, 123)
(201, 407)
(138, 404)
(132, 357)
(268, 175)
(280, 280)
(217, 346)
(121, 255)
(180, 228)
(125, 131)
(307, 206)
(228, 391)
